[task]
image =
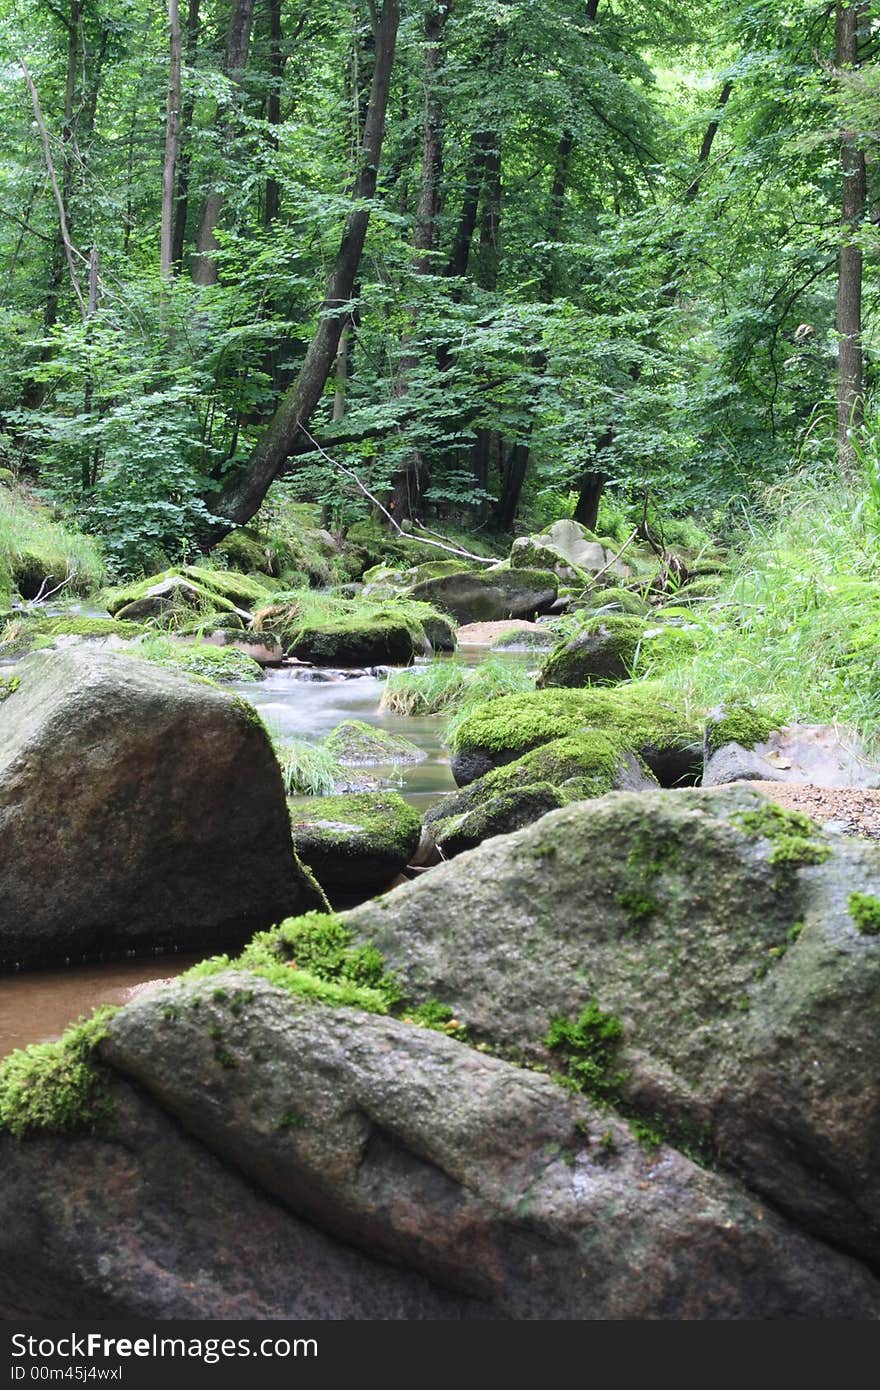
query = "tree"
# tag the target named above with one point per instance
(849, 25)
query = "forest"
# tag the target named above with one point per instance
(439, 677)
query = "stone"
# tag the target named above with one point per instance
(355, 641)
(477, 1175)
(357, 744)
(489, 595)
(138, 808)
(725, 934)
(824, 755)
(602, 653)
(355, 844)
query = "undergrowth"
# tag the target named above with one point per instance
(450, 686)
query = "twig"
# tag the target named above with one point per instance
(612, 561)
(421, 540)
(69, 249)
(43, 594)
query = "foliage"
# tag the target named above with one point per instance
(57, 1086)
(448, 685)
(308, 769)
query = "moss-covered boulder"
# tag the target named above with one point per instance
(356, 744)
(189, 587)
(226, 665)
(614, 599)
(138, 808)
(634, 716)
(355, 641)
(573, 769)
(602, 653)
(525, 637)
(723, 935)
(356, 844)
(473, 596)
(570, 551)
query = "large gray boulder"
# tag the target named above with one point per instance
(138, 808)
(736, 944)
(142, 1220)
(483, 1177)
(487, 596)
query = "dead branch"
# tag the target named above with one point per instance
(69, 249)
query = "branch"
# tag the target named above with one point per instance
(59, 201)
(349, 473)
(613, 561)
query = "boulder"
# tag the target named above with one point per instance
(142, 1221)
(188, 587)
(482, 1177)
(602, 653)
(568, 769)
(489, 595)
(568, 549)
(742, 745)
(138, 808)
(734, 945)
(525, 637)
(356, 744)
(635, 716)
(355, 641)
(355, 844)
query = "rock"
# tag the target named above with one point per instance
(743, 746)
(355, 641)
(530, 637)
(480, 1176)
(188, 587)
(138, 808)
(568, 769)
(724, 934)
(489, 595)
(213, 663)
(144, 1222)
(264, 648)
(602, 653)
(356, 844)
(356, 744)
(634, 715)
(569, 550)
(489, 634)
(613, 600)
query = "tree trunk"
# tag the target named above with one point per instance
(243, 498)
(273, 106)
(556, 208)
(850, 370)
(181, 195)
(488, 258)
(592, 485)
(205, 271)
(413, 479)
(480, 142)
(172, 138)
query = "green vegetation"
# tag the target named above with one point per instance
(308, 769)
(586, 1049)
(57, 1087)
(791, 835)
(864, 908)
(224, 664)
(37, 550)
(742, 724)
(447, 685)
(8, 686)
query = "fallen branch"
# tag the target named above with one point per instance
(421, 540)
(613, 561)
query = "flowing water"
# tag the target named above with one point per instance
(38, 1005)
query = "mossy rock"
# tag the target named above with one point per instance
(225, 665)
(356, 744)
(87, 627)
(227, 622)
(704, 587)
(355, 641)
(524, 639)
(745, 724)
(496, 815)
(613, 600)
(488, 596)
(355, 845)
(578, 768)
(166, 599)
(602, 653)
(245, 550)
(634, 715)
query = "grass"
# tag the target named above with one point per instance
(798, 624)
(308, 769)
(33, 544)
(450, 686)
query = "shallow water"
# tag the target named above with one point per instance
(37, 1005)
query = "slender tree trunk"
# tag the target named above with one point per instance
(413, 479)
(205, 271)
(184, 162)
(850, 370)
(475, 163)
(273, 106)
(242, 499)
(172, 138)
(592, 485)
(556, 207)
(489, 251)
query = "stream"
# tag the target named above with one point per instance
(37, 1005)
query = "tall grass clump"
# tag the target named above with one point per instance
(308, 769)
(448, 686)
(798, 624)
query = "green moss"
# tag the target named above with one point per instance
(864, 909)
(8, 686)
(190, 594)
(789, 832)
(438, 1017)
(742, 724)
(634, 716)
(87, 627)
(356, 744)
(603, 652)
(497, 815)
(57, 1087)
(380, 822)
(586, 1049)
